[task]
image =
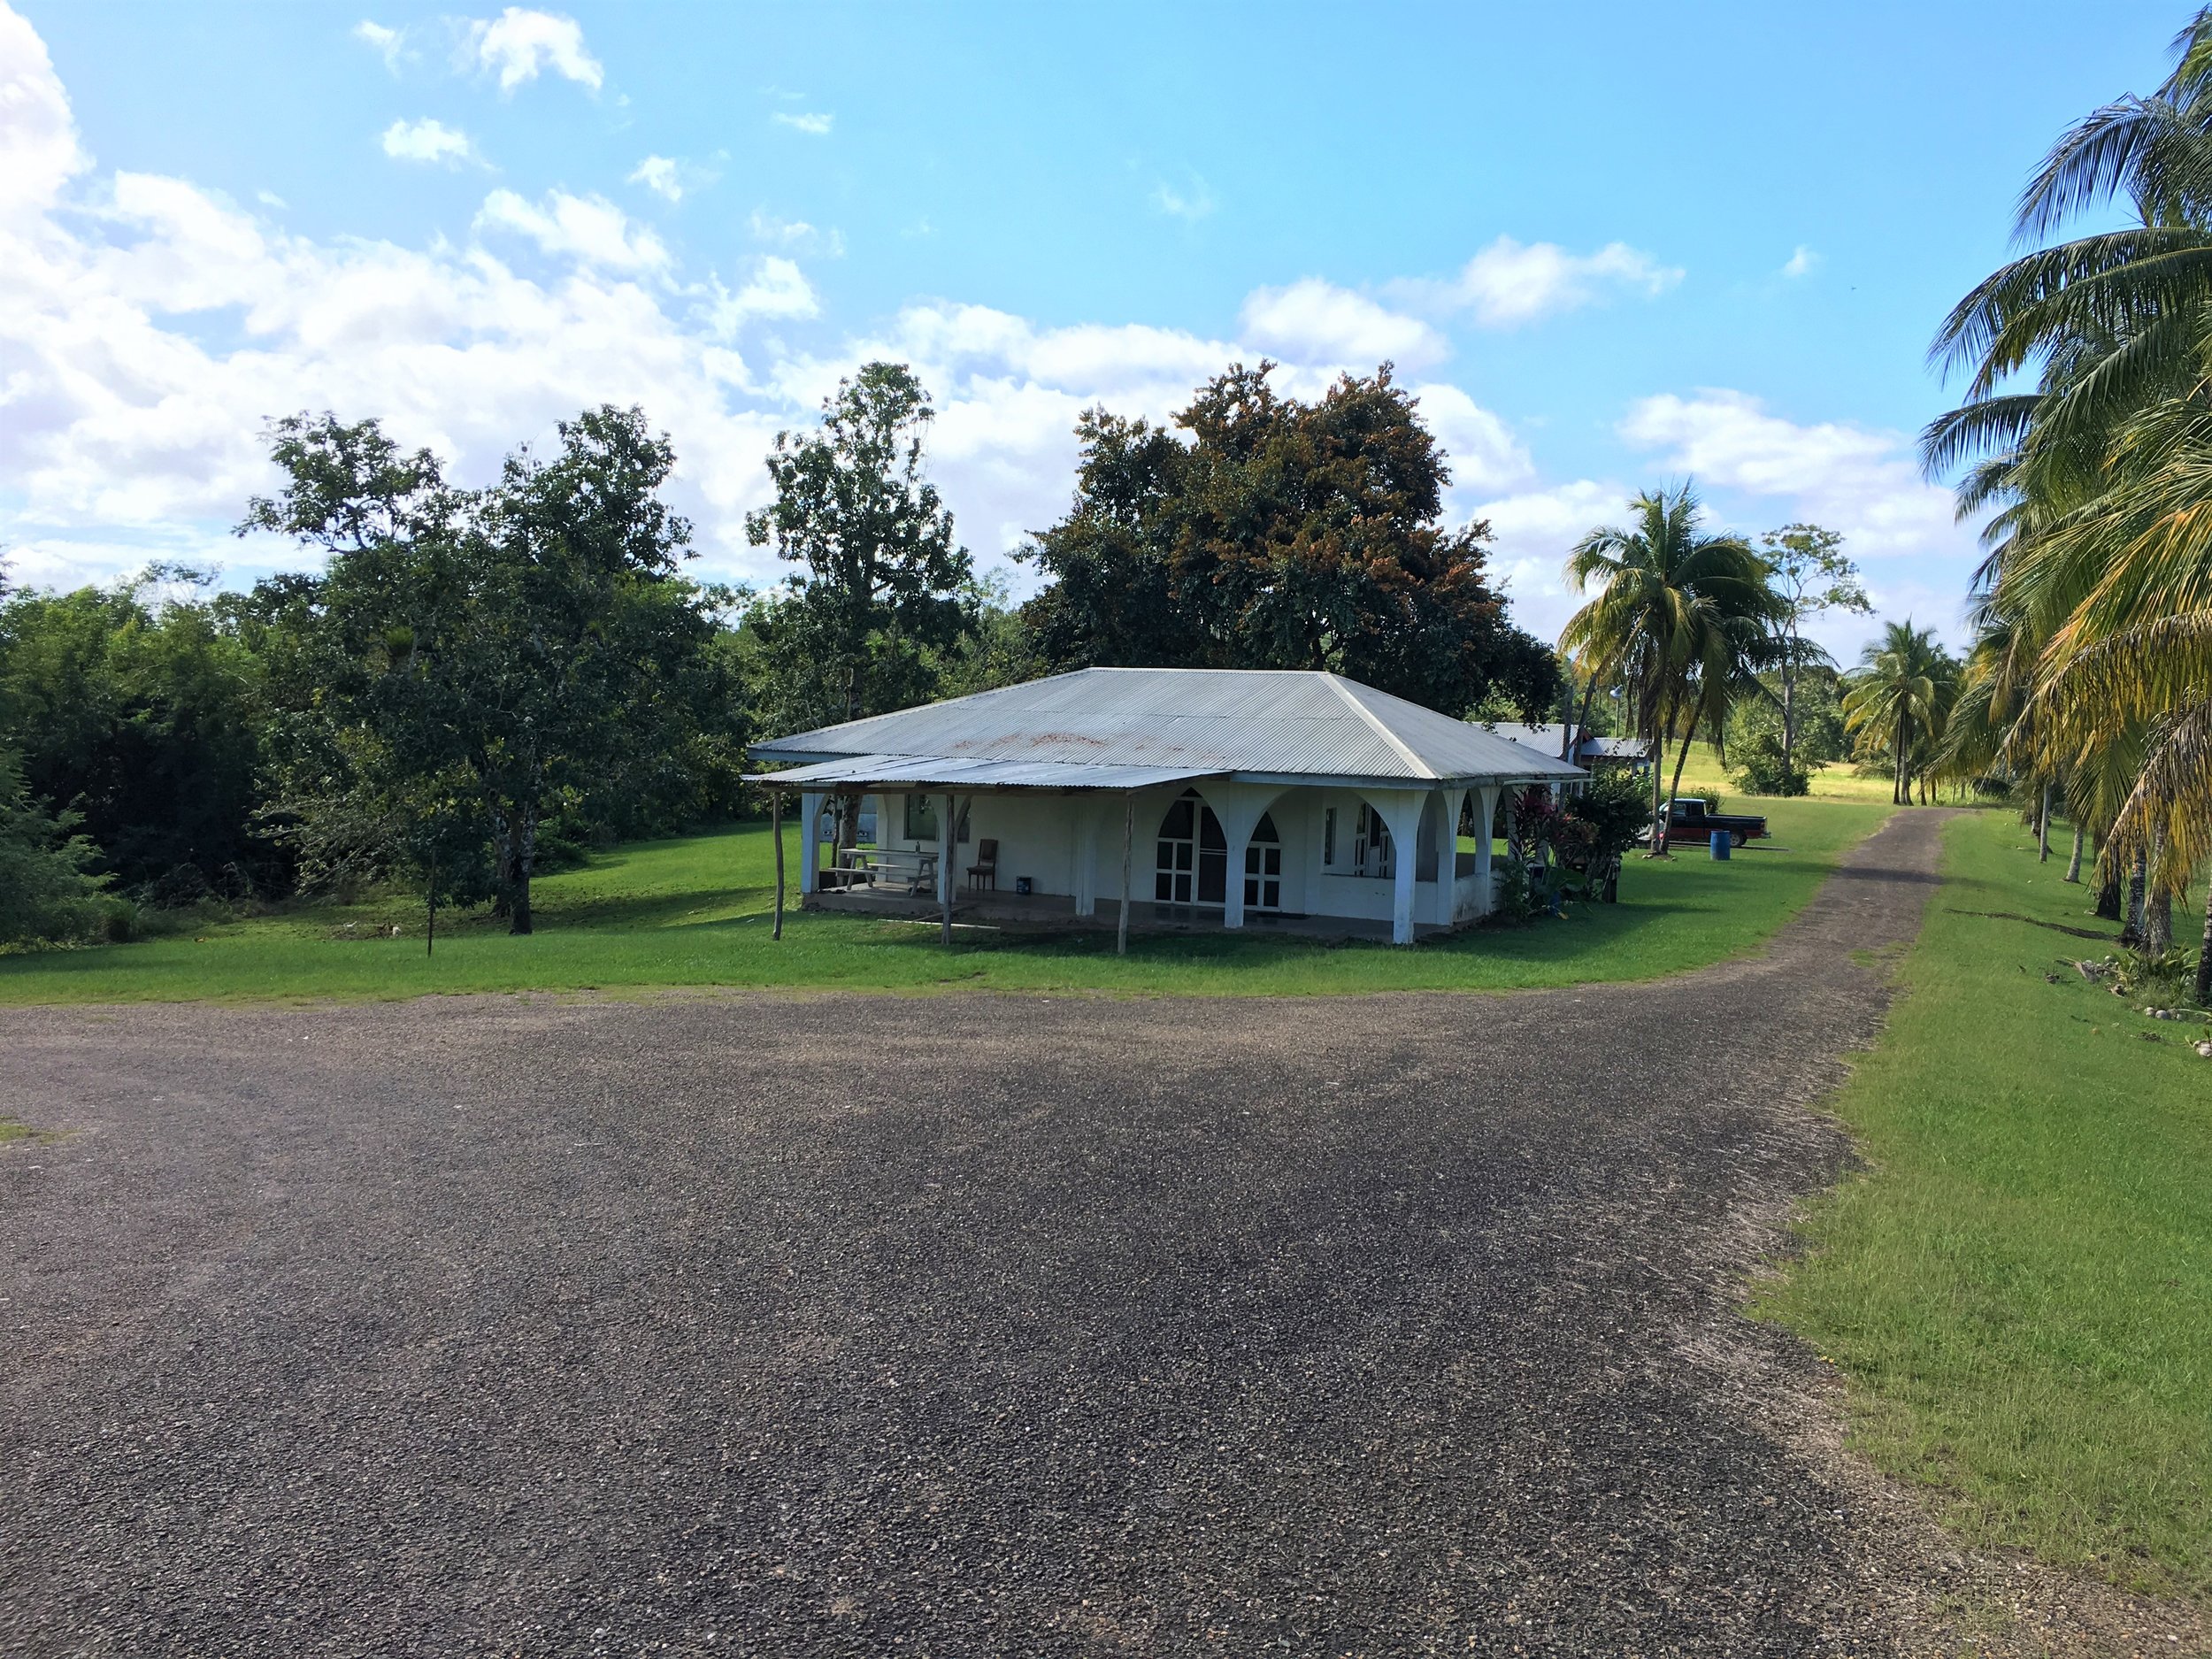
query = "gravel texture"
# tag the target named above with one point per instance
(964, 1326)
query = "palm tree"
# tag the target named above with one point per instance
(2102, 548)
(1899, 694)
(1676, 617)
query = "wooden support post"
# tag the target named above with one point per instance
(945, 827)
(1128, 840)
(775, 831)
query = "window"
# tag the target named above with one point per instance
(1373, 854)
(1192, 862)
(921, 821)
(921, 817)
(1328, 837)
(1263, 867)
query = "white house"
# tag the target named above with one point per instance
(1245, 793)
(1592, 753)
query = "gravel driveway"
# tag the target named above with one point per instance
(961, 1327)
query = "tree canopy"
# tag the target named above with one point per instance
(1263, 532)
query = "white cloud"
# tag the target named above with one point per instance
(149, 327)
(1485, 457)
(426, 140)
(1192, 202)
(587, 227)
(1509, 283)
(390, 44)
(796, 236)
(1860, 480)
(1801, 263)
(270, 199)
(520, 44)
(38, 140)
(1313, 321)
(1530, 535)
(658, 173)
(777, 289)
(817, 125)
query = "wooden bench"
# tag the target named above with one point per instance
(875, 866)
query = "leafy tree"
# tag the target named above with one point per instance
(883, 574)
(139, 709)
(1810, 576)
(1281, 535)
(521, 649)
(1679, 618)
(48, 891)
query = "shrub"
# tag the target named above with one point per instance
(1762, 770)
(1614, 811)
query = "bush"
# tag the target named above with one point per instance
(1761, 769)
(1615, 811)
(48, 892)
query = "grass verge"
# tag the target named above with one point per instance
(694, 912)
(2019, 1289)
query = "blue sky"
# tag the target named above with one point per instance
(1613, 245)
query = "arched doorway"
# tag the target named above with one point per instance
(1192, 866)
(1263, 867)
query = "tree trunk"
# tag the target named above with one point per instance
(2073, 865)
(775, 834)
(1789, 703)
(2107, 889)
(2158, 924)
(1898, 795)
(430, 900)
(526, 855)
(1689, 737)
(2132, 930)
(1658, 748)
(1582, 718)
(2043, 827)
(503, 864)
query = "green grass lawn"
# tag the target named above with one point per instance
(693, 912)
(2019, 1292)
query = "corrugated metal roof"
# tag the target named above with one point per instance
(1200, 722)
(928, 772)
(1546, 739)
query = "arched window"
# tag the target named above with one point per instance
(1192, 863)
(1263, 867)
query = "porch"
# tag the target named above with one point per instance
(1043, 913)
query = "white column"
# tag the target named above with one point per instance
(1401, 894)
(1447, 856)
(1239, 807)
(1086, 882)
(810, 842)
(1485, 812)
(1400, 810)
(947, 826)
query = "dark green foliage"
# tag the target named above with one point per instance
(1821, 737)
(1281, 535)
(143, 716)
(47, 890)
(1613, 810)
(1762, 769)
(484, 662)
(882, 587)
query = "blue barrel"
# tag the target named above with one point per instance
(1720, 843)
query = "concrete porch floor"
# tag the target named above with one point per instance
(1055, 913)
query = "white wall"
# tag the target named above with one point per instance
(1040, 836)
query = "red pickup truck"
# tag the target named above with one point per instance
(1687, 820)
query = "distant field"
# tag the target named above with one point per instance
(2019, 1290)
(693, 912)
(1704, 774)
